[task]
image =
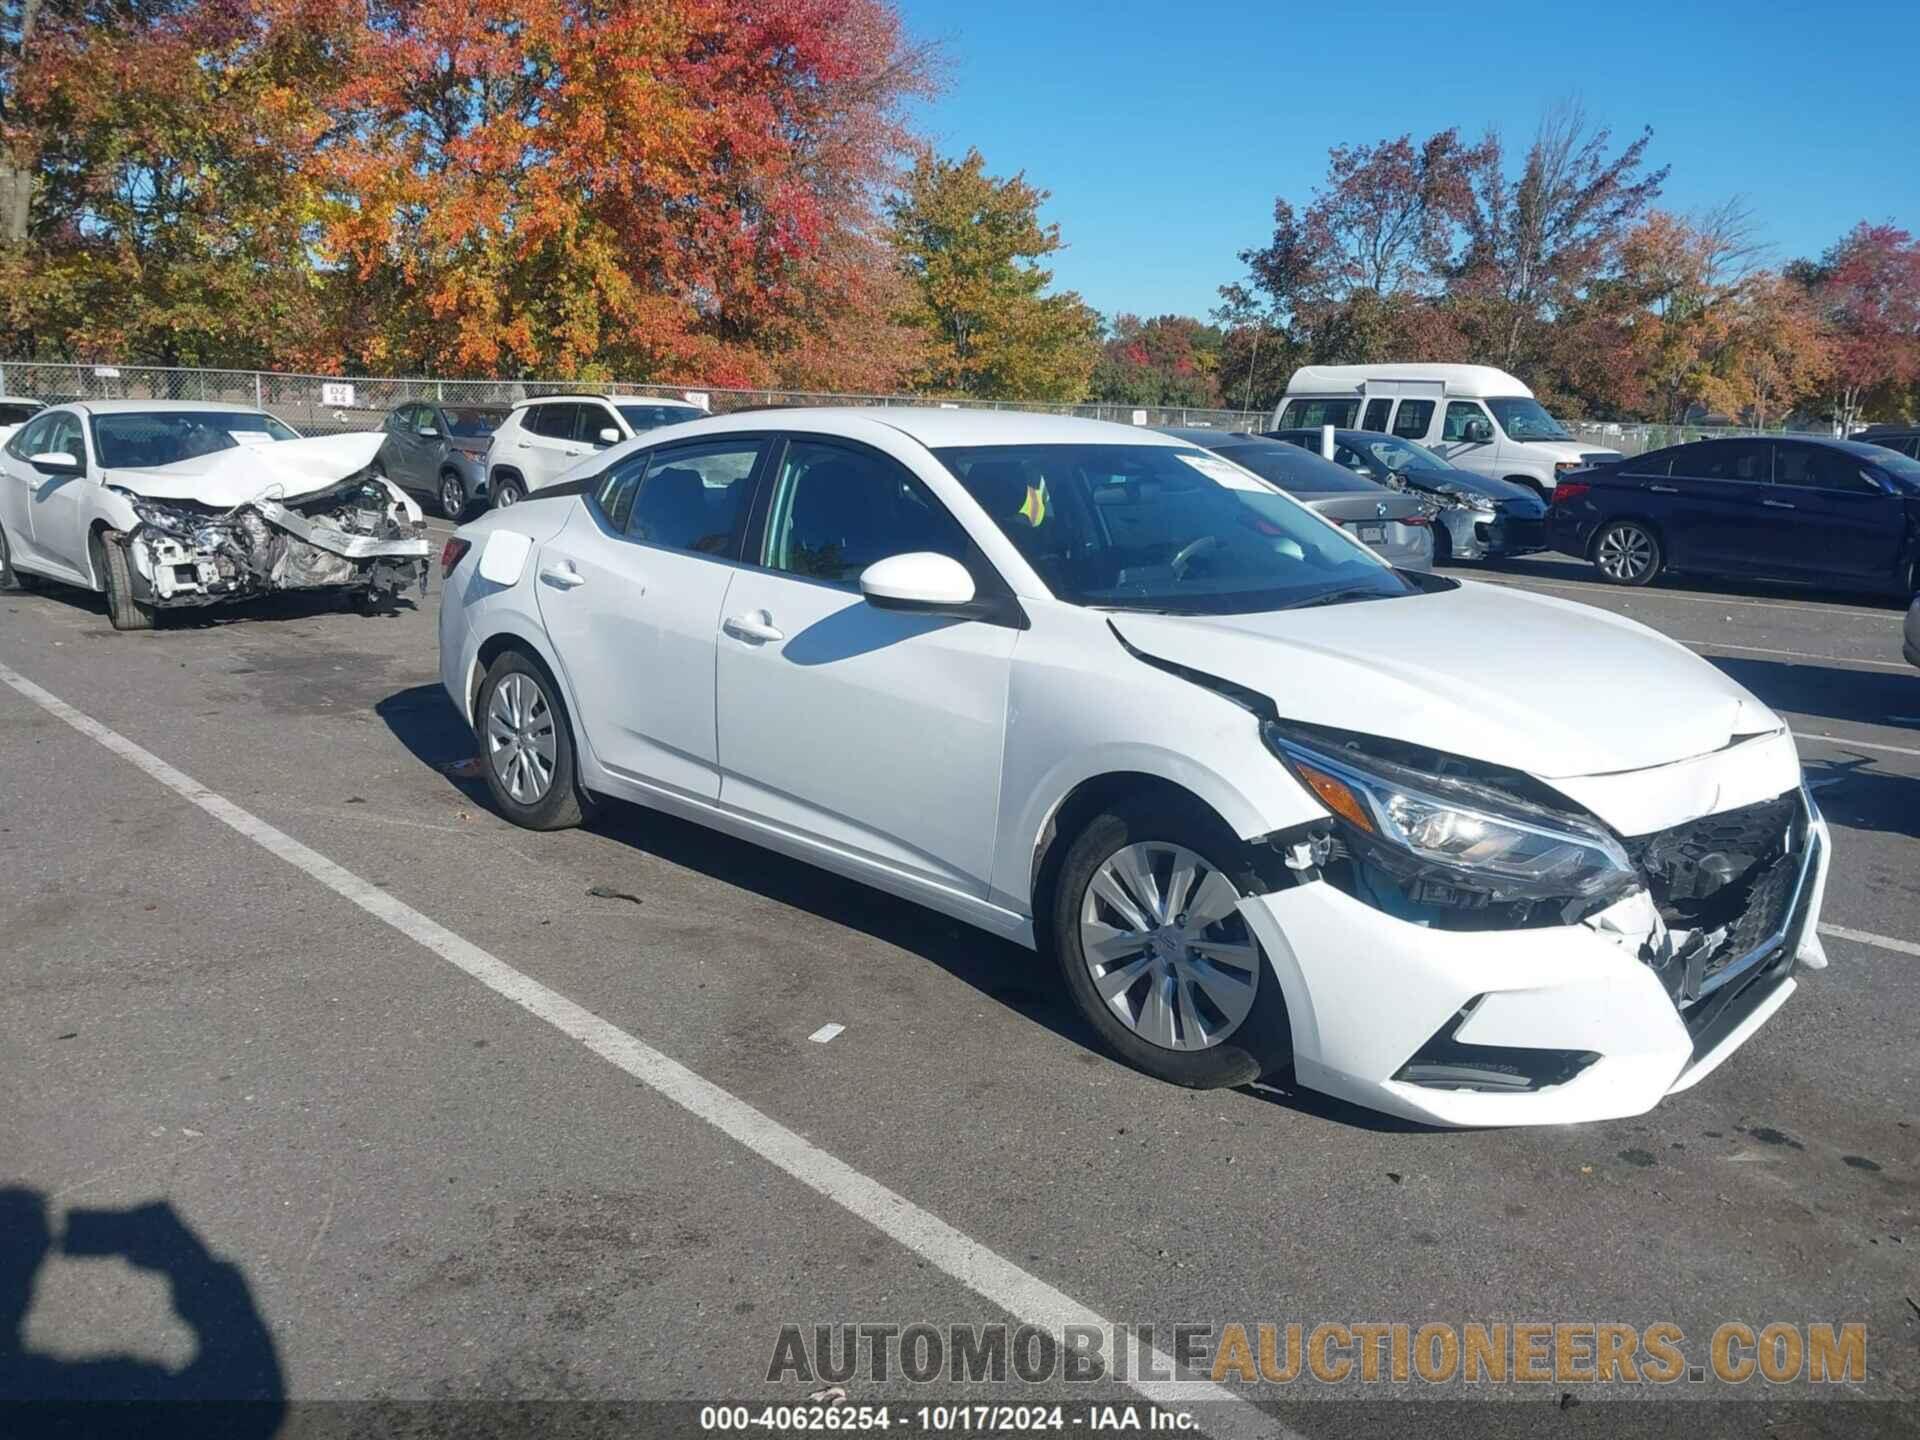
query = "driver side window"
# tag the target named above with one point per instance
(30, 438)
(66, 437)
(836, 511)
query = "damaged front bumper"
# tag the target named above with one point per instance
(1540, 1025)
(359, 536)
(1477, 533)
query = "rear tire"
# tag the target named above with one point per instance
(116, 578)
(1167, 1008)
(526, 745)
(508, 490)
(1626, 552)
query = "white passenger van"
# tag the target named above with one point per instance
(1479, 418)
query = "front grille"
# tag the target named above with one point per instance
(1724, 885)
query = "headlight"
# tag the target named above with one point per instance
(160, 518)
(1453, 844)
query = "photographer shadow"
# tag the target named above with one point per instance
(233, 1386)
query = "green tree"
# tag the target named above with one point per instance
(971, 244)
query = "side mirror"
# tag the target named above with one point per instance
(56, 462)
(922, 581)
(1479, 431)
(610, 436)
(428, 432)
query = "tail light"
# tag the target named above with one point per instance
(1568, 491)
(452, 553)
(1414, 520)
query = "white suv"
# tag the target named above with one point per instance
(543, 439)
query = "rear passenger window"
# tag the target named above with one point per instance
(1816, 468)
(1315, 413)
(697, 498)
(1413, 420)
(1377, 414)
(1746, 460)
(615, 493)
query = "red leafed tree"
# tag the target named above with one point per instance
(682, 189)
(1167, 360)
(1867, 289)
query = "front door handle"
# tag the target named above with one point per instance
(1779, 505)
(1664, 489)
(562, 577)
(757, 627)
(524, 444)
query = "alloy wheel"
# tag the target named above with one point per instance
(453, 496)
(1625, 553)
(520, 739)
(1166, 947)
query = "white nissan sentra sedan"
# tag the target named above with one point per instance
(1459, 853)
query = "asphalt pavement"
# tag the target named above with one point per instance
(290, 1020)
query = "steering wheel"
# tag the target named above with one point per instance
(1191, 552)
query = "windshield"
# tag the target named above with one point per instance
(1404, 455)
(470, 423)
(649, 417)
(1155, 527)
(147, 438)
(1295, 470)
(1523, 419)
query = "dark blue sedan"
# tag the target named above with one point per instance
(1833, 513)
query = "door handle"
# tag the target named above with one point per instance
(524, 444)
(1779, 505)
(1664, 489)
(757, 627)
(562, 577)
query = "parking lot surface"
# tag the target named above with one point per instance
(437, 1181)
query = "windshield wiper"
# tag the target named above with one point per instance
(1338, 597)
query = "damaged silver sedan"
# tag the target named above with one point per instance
(163, 506)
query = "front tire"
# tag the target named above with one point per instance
(1154, 952)
(116, 578)
(526, 745)
(1627, 553)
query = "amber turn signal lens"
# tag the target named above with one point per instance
(1336, 795)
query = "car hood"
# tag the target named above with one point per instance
(282, 469)
(1438, 482)
(1536, 684)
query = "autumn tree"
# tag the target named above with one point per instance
(971, 246)
(1537, 239)
(1774, 354)
(1867, 291)
(1166, 360)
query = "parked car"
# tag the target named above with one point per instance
(1479, 517)
(1835, 513)
(1258, 801)
(432, 448)
(163, 505)
(540, 440)
(1912, 633)
(1399, 526)
(1473, 416)
(1903, 438)
(14, 410)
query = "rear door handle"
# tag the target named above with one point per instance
(1779, 505)
(757, 627)
(562, 576)
(1664, 489)
(524, 444)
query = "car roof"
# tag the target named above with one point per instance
(604, 399)
(1463, 380)
(1859, 449)
(161, 407)
(932, 427)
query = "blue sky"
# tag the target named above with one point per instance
(1165, 131)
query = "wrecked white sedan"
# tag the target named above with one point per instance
(1113, 697)
(164, 505)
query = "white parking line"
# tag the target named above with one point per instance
(1867, 937)
(983, 1271)
(1794, 654)
(1845, 743)
(1523, 581)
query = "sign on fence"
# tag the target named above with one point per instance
(336, 394)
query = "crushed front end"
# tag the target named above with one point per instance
(360, 536)
(1479, 527)
(1584, 975)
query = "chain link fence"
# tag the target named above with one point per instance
(326, 404)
